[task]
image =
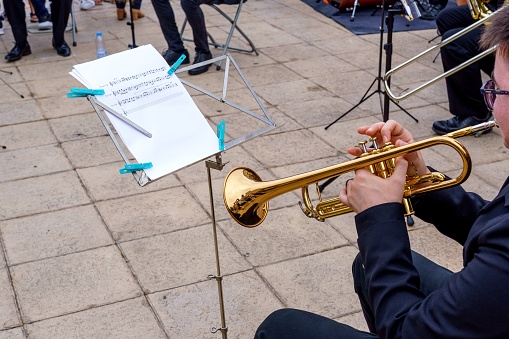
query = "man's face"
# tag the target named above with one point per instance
(501, 106)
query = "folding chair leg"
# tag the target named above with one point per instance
(234, 27)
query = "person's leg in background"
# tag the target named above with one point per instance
(60, 10)
(465, 101)
(15, 11)
(136, 9)
(43, 16)
(33, 17)
(121, 13)
(171, 34)
(196, 20)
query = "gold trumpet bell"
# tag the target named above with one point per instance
(242, 199)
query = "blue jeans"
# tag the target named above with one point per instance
(40, 9)
(136, 4)
(296, 324)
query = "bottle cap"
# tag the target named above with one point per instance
(99, 33)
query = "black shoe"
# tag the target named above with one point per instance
(455, 123)
(19, 50)
(171, 57)
(432, 12)
(200, 57)
(63, 50)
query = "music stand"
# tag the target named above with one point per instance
(142, 179)
(384, 109)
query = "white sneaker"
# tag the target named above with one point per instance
(45, 25)
(86, 4)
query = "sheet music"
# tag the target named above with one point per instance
(137, 85)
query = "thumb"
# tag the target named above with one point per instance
(401, 168)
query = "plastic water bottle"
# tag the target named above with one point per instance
(100, 46)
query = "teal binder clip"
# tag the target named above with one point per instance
(176, 65)
(129, 168)
(220, 134)
(83, 92)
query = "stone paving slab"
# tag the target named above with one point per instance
(53, 234)
(87, 252)
(56, 191)
(72, 283)
(301, 282)
(14, 137)
(160, 263)
(104, 182)
(128, 319)
(151, 214)
(15, 333)
(36, 161)
(244, 294)
(283, 235)
(16, 112)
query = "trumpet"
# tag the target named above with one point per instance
(246, 196)
(478, 10)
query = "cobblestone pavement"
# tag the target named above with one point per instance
(88, 253)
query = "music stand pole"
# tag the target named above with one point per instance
(131, 23)
(217, 165)
(388, 62)
(378, 79)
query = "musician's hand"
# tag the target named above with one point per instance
(367, 190)
(395, 133)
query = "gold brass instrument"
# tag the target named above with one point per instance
(246, 196)
(480, 11)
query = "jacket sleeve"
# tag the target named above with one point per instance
(453, 211)
(473, 303)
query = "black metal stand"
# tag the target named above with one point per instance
(131, 23)
(1, 70)
(384, 109)
(388, 63)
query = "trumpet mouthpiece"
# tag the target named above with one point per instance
(473, 129)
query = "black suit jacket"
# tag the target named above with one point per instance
(473, 303)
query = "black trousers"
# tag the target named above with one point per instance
(297, 324)
(463, 87)
(15, 11)
(196, 20)
(194, 16)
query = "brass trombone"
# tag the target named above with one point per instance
(246, 196)
(478, 9)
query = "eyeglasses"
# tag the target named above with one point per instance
(490, 93)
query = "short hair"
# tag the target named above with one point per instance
(496, 32)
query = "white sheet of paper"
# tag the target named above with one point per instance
(137, 85)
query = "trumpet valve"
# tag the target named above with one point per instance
(362, 146)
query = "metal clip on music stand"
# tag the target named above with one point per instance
(379, 79)
(142, 179)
